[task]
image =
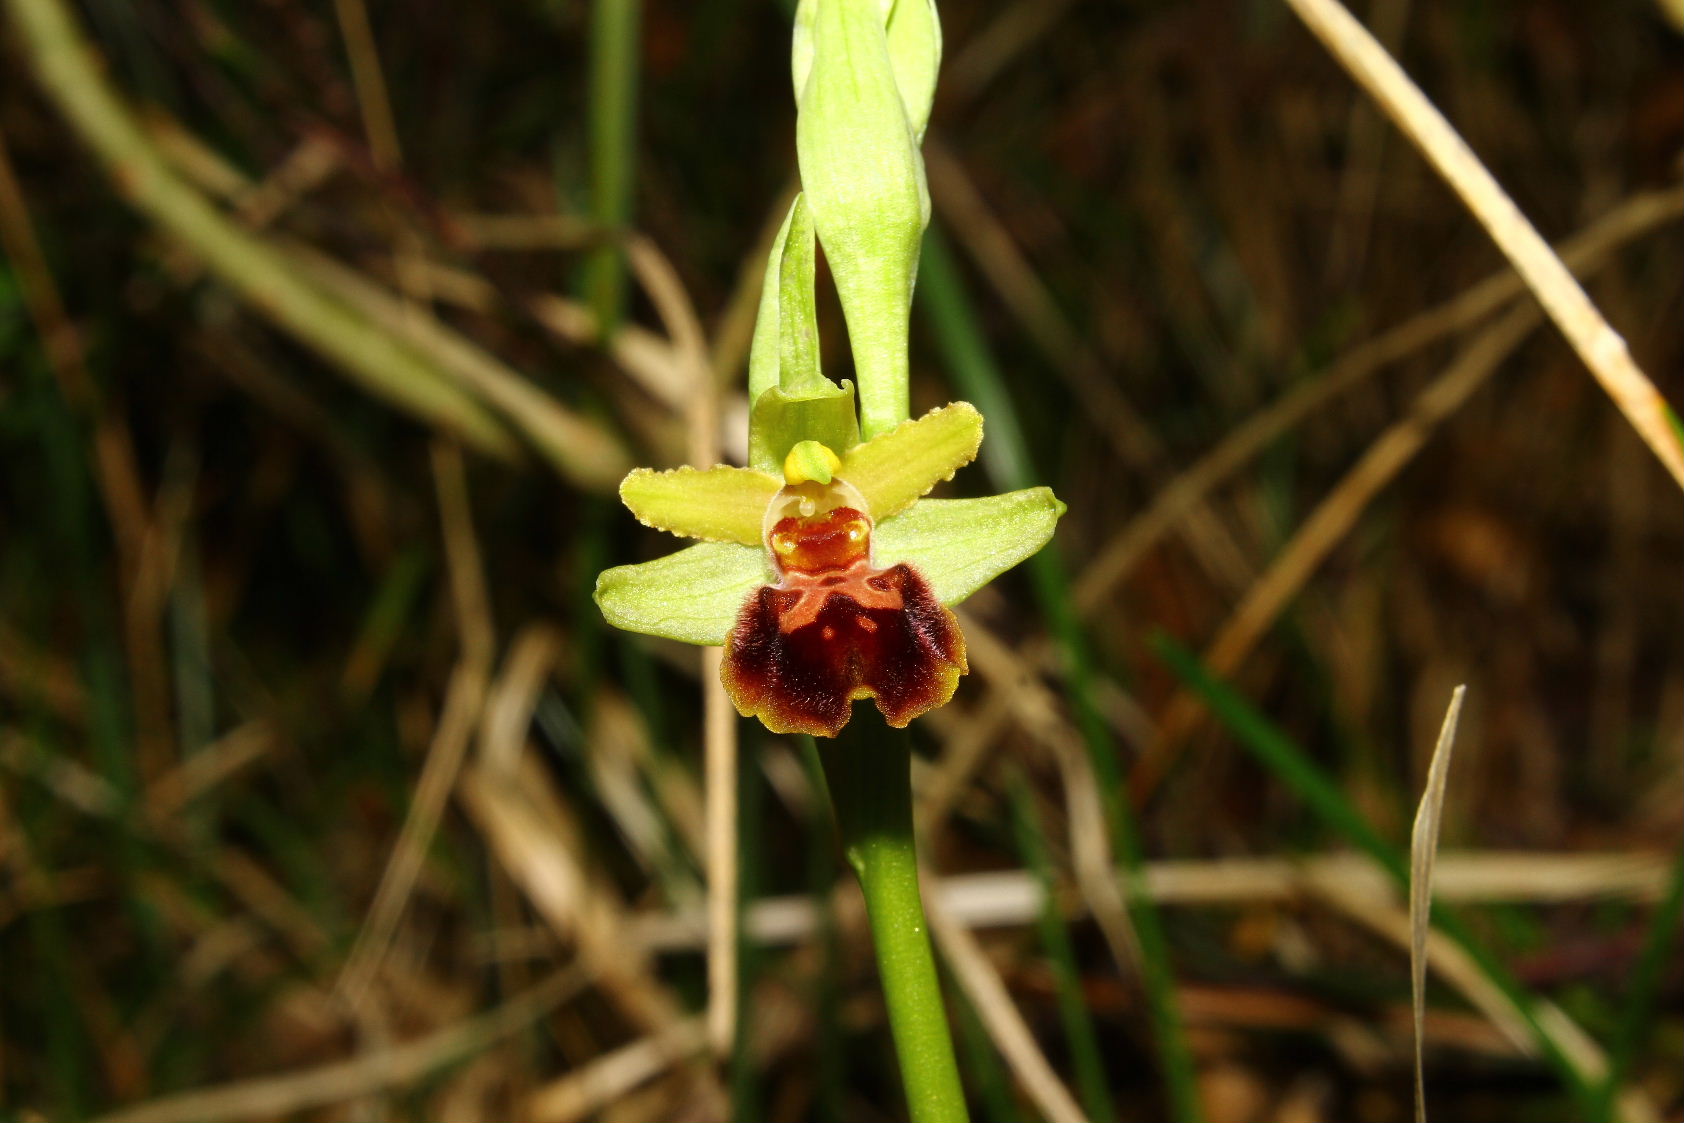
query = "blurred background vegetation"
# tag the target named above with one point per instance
(326, 794)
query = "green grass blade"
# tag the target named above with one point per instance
(1006, 457)
(1055, 939)
(985, 1071)
(614, 57)
(1645, 984)
(1288, 761)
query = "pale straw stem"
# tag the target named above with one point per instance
(1601, 348)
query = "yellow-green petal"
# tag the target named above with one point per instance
(960, 545)
(893, 469)
(692, 596)
(718, 504)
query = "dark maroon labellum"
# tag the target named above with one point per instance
(835, 629)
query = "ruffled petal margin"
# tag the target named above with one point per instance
(718, 504)
(892, 470)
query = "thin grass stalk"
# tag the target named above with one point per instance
(1423, 856)
(1006, 457)
(1073, 1011)
(613, 121)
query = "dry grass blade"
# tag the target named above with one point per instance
(514, 697)
(534, 836)
(272, 1096)
(1587, 250)
(1332, 519)
(582, 1093)
(1005, 898)
(719, 719)
(227, 756)
(1601, 348)
(578, 448)
(1423, 851)
(439, 376)
(719, 728)
(645, 355)
(463, 703)
(982, 985)
(370, 82)
(68, 72)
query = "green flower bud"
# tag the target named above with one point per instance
(914, 34)
(863, 177)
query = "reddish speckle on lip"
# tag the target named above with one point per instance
(834, 629)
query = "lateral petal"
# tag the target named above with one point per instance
(894, 468)
(693, 595)
(718, 504)
(960, 545)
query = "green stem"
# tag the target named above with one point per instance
(869, 777)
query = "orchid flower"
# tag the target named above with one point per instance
(823, 568)
(832, 582)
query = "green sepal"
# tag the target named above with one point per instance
(914, 34)
(780, 420)
(894, 468)
(764, 353)
(692, 596)
(718, 504)
(798, 317)
(960, 545)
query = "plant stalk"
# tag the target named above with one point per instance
(868, 772)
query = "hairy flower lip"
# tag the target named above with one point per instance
(904, 651)
(835, 628)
